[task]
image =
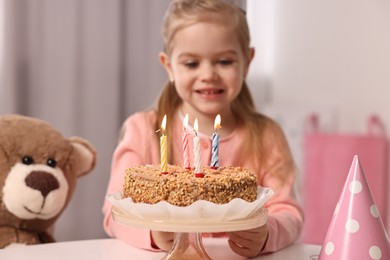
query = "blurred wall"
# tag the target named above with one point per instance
(323, 53)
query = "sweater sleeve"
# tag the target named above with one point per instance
(285, 215)
(136, 147)
(285, 219)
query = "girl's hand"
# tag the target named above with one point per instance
(250, 242)
(162, 240)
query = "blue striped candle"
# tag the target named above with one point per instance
(215, 144)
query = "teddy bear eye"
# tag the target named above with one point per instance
(51, 162)
(27, 160)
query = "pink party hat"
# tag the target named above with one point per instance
(356, 230)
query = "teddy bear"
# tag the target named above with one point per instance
(39, 169)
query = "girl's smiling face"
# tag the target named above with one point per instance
(208, 67)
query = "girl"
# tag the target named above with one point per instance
(207, 57)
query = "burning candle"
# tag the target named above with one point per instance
(215, 143)
(163, 146)
(186, 150)
(197, 155)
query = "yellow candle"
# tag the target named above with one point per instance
(163, 147)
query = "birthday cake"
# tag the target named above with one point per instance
(181, 187)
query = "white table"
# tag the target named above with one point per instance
(115, 249)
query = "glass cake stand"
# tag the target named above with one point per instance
(188, 233)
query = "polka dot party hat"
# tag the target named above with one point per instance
(356, 230)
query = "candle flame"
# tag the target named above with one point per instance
(164, 123)
(217, 122)
(185, 122)
(196, 128)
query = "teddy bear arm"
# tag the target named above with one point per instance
(45, 237)
(11, 235)
(7, 236)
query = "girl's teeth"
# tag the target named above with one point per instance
(210, 92)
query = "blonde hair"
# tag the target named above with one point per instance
(182, 13)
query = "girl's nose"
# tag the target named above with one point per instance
(208, 73)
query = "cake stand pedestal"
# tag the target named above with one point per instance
(187, 246)
(188, 233)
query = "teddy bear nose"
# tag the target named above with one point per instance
(42, 181)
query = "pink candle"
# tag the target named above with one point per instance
(186, 150)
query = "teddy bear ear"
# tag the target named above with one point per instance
(84, 154)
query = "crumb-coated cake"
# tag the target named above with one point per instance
(180, 187)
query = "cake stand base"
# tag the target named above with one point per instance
(187, 242)
(187, 246)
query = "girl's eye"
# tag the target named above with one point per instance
(191, 65)
(225, 62)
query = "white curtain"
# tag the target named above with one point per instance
(83, 66)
